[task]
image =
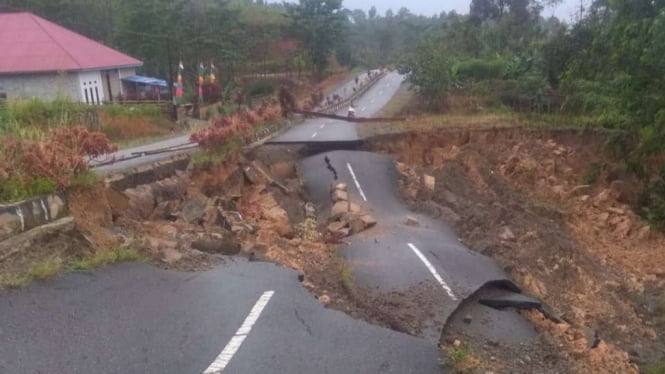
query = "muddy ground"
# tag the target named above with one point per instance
(537, 202)
(562, 226)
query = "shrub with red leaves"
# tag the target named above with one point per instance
(241, 124)
(58, 158)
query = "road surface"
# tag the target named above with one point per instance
(126, 157)
(138, 319)
(249, 317)
(426, 260)
(321, 131)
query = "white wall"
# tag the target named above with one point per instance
(45, 86)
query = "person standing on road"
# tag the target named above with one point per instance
(352, 111)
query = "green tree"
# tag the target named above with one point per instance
(319, 25)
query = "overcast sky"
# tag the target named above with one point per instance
(431, 7)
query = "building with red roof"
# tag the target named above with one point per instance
(41, 59)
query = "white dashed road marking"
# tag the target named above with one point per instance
(432, 270)
(234, 344)
(355, 180)
(314, 135)
(322, 126)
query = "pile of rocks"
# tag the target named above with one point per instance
(347, 218)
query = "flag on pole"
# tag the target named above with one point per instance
(213, 76)
(202, 72)
(179, 85)
(201, 80)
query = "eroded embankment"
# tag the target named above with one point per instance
(554, 210)
(250, 205)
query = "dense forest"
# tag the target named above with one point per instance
(606, 69)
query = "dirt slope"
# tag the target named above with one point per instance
(518, 196)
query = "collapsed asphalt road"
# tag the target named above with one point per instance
(241, 317)
(255, 317)
(140, 155)
(423, 262)
(332, 132)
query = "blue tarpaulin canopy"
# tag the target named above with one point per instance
(146, 80)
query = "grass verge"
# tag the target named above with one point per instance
(460, 359)
(106, 257)
(52, 267)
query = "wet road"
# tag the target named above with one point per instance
(242, 317)
(394, 256)
(322, 130)
(380, 96)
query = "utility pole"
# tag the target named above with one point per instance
(173, 108)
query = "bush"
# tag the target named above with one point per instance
(261, 88)
(29, 168)
(133, 111)
(46, 114)
(652, 201)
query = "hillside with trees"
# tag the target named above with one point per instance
(604, 70)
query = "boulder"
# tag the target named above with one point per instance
(336, 227)
(368, 220)
(339, 209)
(251, 175)
(429, 182)
(354, 208)
(225, 246)
(506, 234)
(165, 210)
(267, 201)
(449, 215)
(141, 201)
(580, 190)
(412, 221)
(341, 187)
(644, 233)
(193, 209)
(276, 214)
(340, 195)
(10, 224)
(357, 225)
(618, 211)
(625, 227)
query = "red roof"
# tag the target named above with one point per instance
(32, 44)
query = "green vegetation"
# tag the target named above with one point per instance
(106, 257)
(458, 355)
(605, 70)
(86, 178)
(460, 359)
(318, 24)
(143, 110)
(212, 157)
(658, 368)
(13, 189)
(592, 175)
(45, 269)
(14, 281)
(51, 267)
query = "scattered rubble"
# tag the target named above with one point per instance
(515, 195)
(347, 218)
